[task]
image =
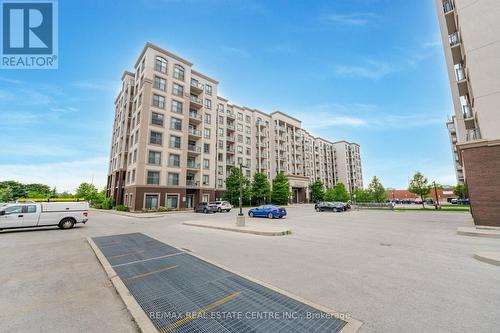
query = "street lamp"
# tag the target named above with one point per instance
(436, 193)
(240, 218)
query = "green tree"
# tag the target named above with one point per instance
(37, 191)
(6, 194)
(461, 191)
(88, 192)
(419, 185)
(376, 190)
(317, 191)
(281, 192)
(341, 193)
(18, 189)
(362, 195)
(330, 194)
(232, 193)
(261, 189)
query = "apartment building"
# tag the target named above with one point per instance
(175, 140)
(470, 33)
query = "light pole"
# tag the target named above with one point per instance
(240, 218)
(436, 193)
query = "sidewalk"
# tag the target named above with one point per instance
(140, 214)
(262, 227)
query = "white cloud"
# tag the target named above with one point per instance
(69, 109)
(66, 176)
(352, 19)
(371, 69)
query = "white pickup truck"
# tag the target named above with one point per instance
(31, 215)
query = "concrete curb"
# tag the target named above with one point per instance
(492, 258)
(141, 319)
(240, 229)
(479, 232)
(141, 215)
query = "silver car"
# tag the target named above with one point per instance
(222, 206)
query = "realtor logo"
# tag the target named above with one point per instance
(29, 34)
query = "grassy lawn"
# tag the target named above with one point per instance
(443, 209)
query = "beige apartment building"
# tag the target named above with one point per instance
(470, 32)
(175, 140)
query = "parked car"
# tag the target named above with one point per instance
(329, 206)
(269, 211)
(32, 215)
(463, 201)
(222, 206)
(205, 207)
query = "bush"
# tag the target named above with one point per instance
(107, 203)
(122, 208)
(97, 206)
(164, 209)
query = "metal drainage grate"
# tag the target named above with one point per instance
(181, 293)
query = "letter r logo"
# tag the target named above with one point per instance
(27, 27)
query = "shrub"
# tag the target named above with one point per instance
(122, 208)
(97, 206)
(107, 203)
(164, 209)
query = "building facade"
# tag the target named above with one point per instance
(470, 33)
(175, 140)
(452, 132)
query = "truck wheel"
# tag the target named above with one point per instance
(67, 223)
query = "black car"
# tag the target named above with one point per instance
(205, 207)
(330, 206)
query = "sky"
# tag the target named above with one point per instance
(368, 71)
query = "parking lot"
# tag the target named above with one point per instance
(394, 271)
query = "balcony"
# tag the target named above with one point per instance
(261, 155)
(230, 138)
(192, 183)
(194, 133)
(447, 6)
(193, 165)
(230, 114)
(260, 123)
(230, 150)
(230, 162)
(230, 127)
(197, 87)
(461, 77)
(261, 145)
(194, 149)
(454, 39)
(195, 117)
(473, 134)
(280, 128)
(196, 102)
(467, 112)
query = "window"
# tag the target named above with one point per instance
(160, 83)
(208, 89)
(208, 103)
(240, 116)
(247, 140)
(239, 127)
(155, 138)
(206, 198)
(158, 101)
(135, 155)
(248, 151)
(13, 210)
(174, 160)
(205, 179)
(247, 163)
(161, 65)
(154, 157)
(206, 148)
(239, 149)
(176, 124)
(220, 170)
(219, 182)
(176, 106)
(151, 201)
(248, 172)
(221, 119)
(173, 179)
(179, 72)
(208, 118)
(240, 138)
(248, 130)
(172, 201)
(248, 119)
(175, 142)
(206, 163)
(206, 133)
(153, 178)
(220, 144)
(157, 118)
(133, 176)
(220, 107)
(221, 132)
(177, 90)
(220, 157)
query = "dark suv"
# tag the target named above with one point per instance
(205, 207)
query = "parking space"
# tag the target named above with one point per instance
(395, 271)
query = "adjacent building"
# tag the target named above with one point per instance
(175, 140)
(470, 33)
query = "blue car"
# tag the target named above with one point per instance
(268, 211)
